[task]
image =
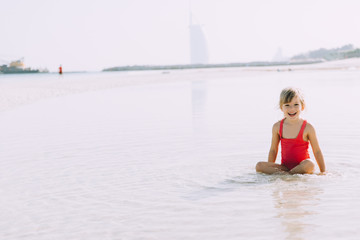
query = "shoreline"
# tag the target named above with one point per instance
(344, 64)
(31, 89)
(311, 65)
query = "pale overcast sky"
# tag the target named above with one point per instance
(95, 34)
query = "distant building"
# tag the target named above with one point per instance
(16, 66)
(18, 63)
(198, 45)
(279, 56)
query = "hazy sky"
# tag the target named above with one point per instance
(95, 34)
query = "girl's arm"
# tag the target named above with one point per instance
(316, 149)
(274, 143)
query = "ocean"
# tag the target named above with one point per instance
(172, 155)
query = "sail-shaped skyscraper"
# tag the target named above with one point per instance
(198, 45)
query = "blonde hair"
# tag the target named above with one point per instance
(287, 94)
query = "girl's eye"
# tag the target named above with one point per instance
(296, 104)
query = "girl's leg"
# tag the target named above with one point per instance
(270, 168)
(305, 167)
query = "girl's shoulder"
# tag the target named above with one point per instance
(309, 127)
(276, 126)
(309, 124)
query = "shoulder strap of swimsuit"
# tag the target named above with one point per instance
(301, 133)
(281, 127)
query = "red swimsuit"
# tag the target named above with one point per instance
(293, 150)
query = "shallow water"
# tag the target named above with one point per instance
(173, 159)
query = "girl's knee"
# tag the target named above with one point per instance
(260, 166)
(309, 166)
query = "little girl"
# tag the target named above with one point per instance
(294, 134)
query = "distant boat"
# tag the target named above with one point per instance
(16, 67)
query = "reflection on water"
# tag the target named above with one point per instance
(198, 103)
(294, 199)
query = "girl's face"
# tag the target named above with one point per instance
(292, 109)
